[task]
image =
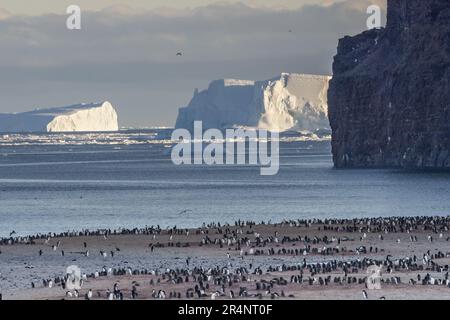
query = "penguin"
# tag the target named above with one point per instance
(365, 295)
(134, 293)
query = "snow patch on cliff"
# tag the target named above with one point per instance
(288, 102)
(92, 117)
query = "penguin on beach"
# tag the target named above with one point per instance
(365, 295)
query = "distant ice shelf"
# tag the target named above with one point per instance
(85, 117)
(288, 102)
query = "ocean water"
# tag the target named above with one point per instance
(69, 185)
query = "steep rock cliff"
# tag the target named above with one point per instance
(389, 98)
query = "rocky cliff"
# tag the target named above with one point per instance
(288, 102)
(389, 98)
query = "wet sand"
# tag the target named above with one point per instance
(291, 260)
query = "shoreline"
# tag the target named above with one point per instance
(296, 259)
(150, 229)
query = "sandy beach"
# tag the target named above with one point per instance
(246, 260)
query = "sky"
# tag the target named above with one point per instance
(126, 53)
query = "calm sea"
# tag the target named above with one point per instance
(48, 187)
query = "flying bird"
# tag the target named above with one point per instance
(179, 54)
(185, 211)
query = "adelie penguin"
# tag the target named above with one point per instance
(365, 295)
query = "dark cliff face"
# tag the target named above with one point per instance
(389, 99)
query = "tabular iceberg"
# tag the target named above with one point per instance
(288, 102)
(92, 117)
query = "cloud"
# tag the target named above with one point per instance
(4, 14)
(128, 55)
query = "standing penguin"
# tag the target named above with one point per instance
(365, 295)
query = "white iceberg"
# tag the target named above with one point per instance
(289, 102)
(92, 117)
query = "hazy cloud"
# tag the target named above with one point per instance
(4, 14)
(128, 56)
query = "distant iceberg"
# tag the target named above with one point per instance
(92, 117)
(289, 102)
